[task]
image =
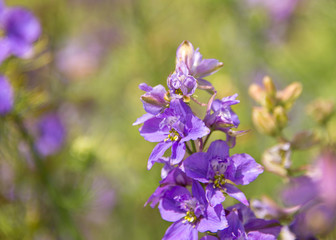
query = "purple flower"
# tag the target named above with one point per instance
(6, 96)
(217, 169)
(51, 134)
(197, 66)
(176, 177)
(244, 225)
(180, 83)
(153, 100)
(21, 29)
(172, 128)
(190, 213)
(223, 118)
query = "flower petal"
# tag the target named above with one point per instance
(196, 166)
(247, 170)
(157, 152)
(181, 231)
(214, 195)
(234, 192)
(215, 220)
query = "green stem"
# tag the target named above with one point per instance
(64, 215)
(188, 149)
(193, 146)
(206, 139)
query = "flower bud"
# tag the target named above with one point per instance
(257, 93)
(277, 159)
(280, 116)
(304, 140)
(264, 121)
(289, 95)
(269, 86)
(321, 110)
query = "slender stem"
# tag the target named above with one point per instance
(193, 146)
(199, 103)
(45, 181)
(188, 149)
(206, 139)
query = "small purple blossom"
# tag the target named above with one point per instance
(51, 134)
(217, 169)
(172, 128)
(190, 213)
(175, 177)
(153, 100)
(21, 29)
(223, 118)
(6, 96)
(243, 225)
(197, 66)
(180, 83)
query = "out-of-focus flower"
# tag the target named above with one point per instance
(20, 29)
(266, 208)
(278, 10)
(190, 213)
(277, 159)
(316, 196)
(6, 96)
(217, 169)
(321, 110)
(51, 134)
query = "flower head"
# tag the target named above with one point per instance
(172, 128)
(190, 212)
(218, 170)
(197, 66)
(20, 30)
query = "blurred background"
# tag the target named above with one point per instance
(88, 63)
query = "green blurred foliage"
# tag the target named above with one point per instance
(143, 37)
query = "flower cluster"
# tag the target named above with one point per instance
(196, 179)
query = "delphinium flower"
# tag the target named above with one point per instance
(6, 96)
(51, 134)
(195, 64)
(20, 29)
(244, 225)
(211, 175)
(190, 213)
(173, 127)
(218, 170)
(223, 118)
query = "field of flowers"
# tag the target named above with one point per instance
(230, 105)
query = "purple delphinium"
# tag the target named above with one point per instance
(197, 66)
(190, 213)
(217, 169)
(20, 30)
(173, 127)
(243, 225)
(180, 83)
(51, 134)
(6, 96)
(153, 100)
(175, 177)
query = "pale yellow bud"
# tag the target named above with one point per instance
(289, 95)
(264, 121)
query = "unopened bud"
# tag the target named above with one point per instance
(257, 93)
(264, 121)
(289, 95)
(280, 116)
(304, 140)
(277, 159)
(269, 86)
(321, 110)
